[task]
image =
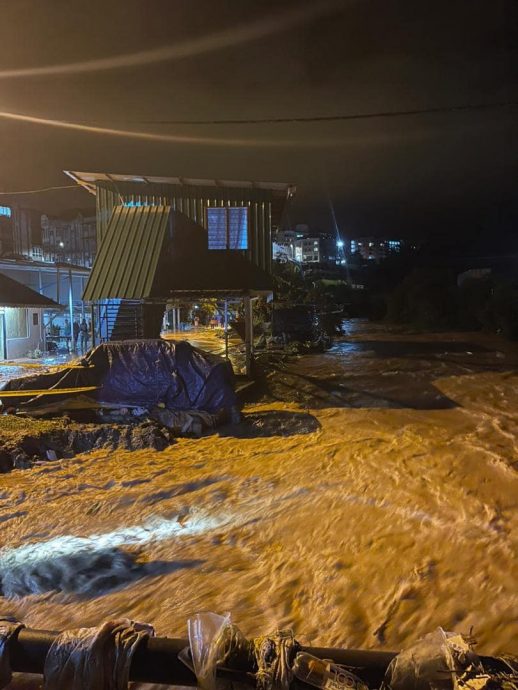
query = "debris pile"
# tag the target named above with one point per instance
(217, 655)
(132, 394)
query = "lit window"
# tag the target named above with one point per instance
(5, 211)
(228, 227)
(132, 204)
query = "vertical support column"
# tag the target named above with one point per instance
(3, 333)
(178, 321)
(225, 326)
(43, 328)
(71, 309)
(92, 324)
(173, 312)
(58, 280)
(82, 302)
(249, 336)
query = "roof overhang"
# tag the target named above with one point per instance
(14, 294)
(90, 180)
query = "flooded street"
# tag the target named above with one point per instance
(372, 497)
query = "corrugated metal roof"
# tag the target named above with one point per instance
(15, 294)
(138, 259)
(89, 180)
(127, 259)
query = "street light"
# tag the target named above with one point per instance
(340, 244)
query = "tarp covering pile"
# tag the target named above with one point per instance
(138, 373)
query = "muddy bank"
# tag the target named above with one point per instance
(25, 442)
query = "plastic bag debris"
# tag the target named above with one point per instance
(325, 674)
(432, 663)
(94, 658)
(9, 627)
(207, 640)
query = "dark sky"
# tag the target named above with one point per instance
(449, 172)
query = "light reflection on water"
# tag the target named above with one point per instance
(155, 529)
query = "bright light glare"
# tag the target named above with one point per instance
(243, 33)
(340, 244)
(182, 138)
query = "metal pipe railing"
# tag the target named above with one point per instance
(156, 659)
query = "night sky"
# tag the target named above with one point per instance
(452, 172)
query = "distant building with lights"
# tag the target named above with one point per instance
(375, 248)
(20, 232)
(69, 238)
(305, 247)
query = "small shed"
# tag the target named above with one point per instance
(164, 238)
(21, 318)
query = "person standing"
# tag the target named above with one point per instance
(75, 332)
(83, 331)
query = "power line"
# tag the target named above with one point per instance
(37, 191)
(335, 118)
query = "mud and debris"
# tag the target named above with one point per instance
(362, 514)
(25, 442)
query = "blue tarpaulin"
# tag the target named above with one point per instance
(142, 373)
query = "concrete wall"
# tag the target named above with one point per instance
(20, 346)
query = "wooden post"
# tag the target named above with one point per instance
(249, 336)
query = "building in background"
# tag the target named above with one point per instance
(304, 246)
(375, 248)
(20, 232)
(52, 257)
(69, 238)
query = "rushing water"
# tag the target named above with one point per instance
(374, 500)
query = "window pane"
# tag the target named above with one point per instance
(217, 227)
(16, 322)
(238, 227)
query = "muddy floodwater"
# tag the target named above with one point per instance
(372, 497)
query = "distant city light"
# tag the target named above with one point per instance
(61, 244)
(340, 244)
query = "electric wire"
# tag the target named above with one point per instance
(38, 191)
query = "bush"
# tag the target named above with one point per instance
(425, 299)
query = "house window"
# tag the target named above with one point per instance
(16, 323)
(228, 227)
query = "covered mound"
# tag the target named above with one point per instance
(134, 373)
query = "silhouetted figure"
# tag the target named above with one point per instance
(83, 331)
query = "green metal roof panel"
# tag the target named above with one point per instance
(127, 259)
